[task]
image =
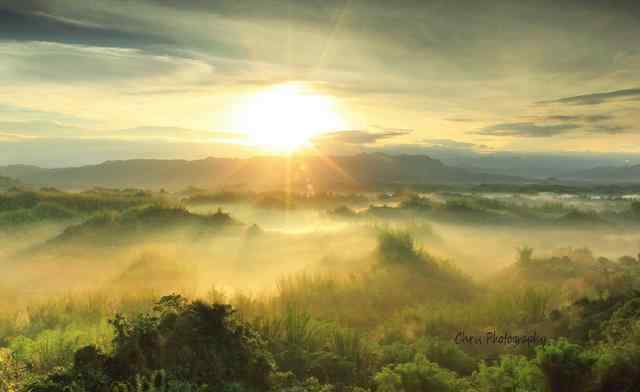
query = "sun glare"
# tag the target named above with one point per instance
(285, 118)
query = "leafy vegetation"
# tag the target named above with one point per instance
(397, 315)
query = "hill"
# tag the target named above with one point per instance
(258, 173)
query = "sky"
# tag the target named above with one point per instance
(87, 81)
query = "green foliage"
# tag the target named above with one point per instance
(112, 227)
(56, 347)
(83, 202)
(617, 367)
(418, 376)
(13, 373)
(324, 351)
(417, 203)
(566, 366)
(397, 247)
(510, 374)
(525, 254)
(444, 352)
(192, 342)
(286, 382)
(195, 342)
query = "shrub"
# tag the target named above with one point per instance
(443, 352)
(419, 376)
(191, 342)
(398, 247)
(13, 373)
(510, 374)
(566, 366)
(618, 362)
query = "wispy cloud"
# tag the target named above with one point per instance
(63, 63)
(460, 119)
(53, 130)
(597, 98)
(176, 133)
(359, 136)
(527, 129)
(588, 118)
(608, 129)
(452, 144)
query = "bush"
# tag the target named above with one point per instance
(618, 362)
(443, 352)
(397, 247)
(419, 376)
(194, 343)
(510, 374)
(566, 366)
(13, 374)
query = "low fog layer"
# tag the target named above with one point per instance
(195, 240)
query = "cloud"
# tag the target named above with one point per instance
(591, 118)
(65, 63)
(608, 129)
(53, 130)
(453, 144)
(406, 62)
(393, 129)
(358, 137)
(19, 113)
(150, 132)
(597, 98)
(33, 21)
(39, 129)
(460, 119)
(527, 129)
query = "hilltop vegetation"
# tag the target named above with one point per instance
(7, 183)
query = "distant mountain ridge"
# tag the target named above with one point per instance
(257, 173)
(629, 173)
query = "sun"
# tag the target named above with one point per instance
(286, 117)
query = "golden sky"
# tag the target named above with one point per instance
(157, 78)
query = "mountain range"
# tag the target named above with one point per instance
(277, 172)
(354, 171)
